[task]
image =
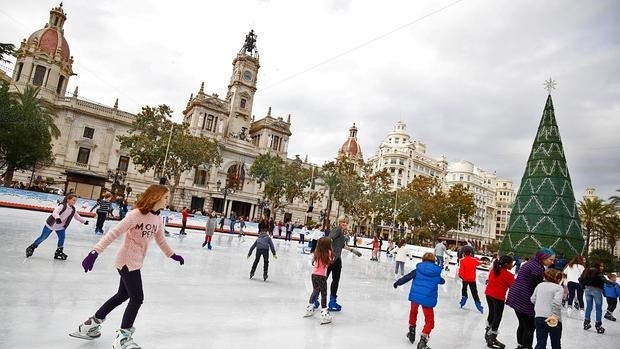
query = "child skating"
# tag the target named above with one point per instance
(209, 229)
(612, 292)
(547, 299)
(103, 206)
(323, 256)
(140, 226)
(424, 291)
(262, 244)
(500, 279)
(467, 273)
(402, 252)
(58, 221)
(375, 249)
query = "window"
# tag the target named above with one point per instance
(83, 155)
(392, 161)
(396, 140)
(39, 74)
(123, 163)
(19, 71)
(211, 122)
(256, 140)
(60, 83)
(242, 104)
(89, 132)
(200, 178)
(275, 143)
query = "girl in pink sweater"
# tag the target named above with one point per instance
(58, 221)
(140, 226)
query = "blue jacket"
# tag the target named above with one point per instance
(612, 291)
(426, 278)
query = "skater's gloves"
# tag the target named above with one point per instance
(58, 220)
(85, 222)
(89, 261)
(178, 258)
(395, 285)
(552, 321)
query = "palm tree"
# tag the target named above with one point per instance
(615, 201)
(30, 128)
(611, 230)
(592, 212)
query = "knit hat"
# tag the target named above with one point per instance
(544, 253)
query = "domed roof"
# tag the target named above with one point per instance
(350, 147)
(50, 40)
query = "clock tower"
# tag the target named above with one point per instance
(242, 85)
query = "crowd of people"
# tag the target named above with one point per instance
(537, 291)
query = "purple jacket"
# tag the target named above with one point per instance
(530, 275)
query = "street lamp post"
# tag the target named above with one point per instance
(226, 190)
(164, 178)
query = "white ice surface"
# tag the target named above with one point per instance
(211, 303)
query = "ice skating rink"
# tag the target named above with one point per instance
(210, 302)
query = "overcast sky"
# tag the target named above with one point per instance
(466, 76)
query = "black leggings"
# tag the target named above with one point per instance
(473, 288)
(496, 309)
(319, 285)
(335, 268)
(525, 331)
(130, 287)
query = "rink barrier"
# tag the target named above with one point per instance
(40, 208)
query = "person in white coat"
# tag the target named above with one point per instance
(401, 253)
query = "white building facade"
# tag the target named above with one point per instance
(481, 183)
(406, 159)
(504, 199)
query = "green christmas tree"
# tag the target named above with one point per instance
(544, 213)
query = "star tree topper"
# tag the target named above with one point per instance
(550, 85)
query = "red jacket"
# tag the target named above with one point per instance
(467, 268)
(498, 284)
(185, 213)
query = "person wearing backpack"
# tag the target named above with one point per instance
(58, 221)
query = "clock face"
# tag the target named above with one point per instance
(247, 75)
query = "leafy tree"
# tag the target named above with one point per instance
(423, 204)
(283, 182)
(336, 176)
(6, 50)
(26, 130)
(147, 141)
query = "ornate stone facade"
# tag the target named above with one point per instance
(406, 159)
(89, 157)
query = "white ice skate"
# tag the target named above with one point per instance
(309, 310)
(123, 339)
(326, 317)
(88, 330)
